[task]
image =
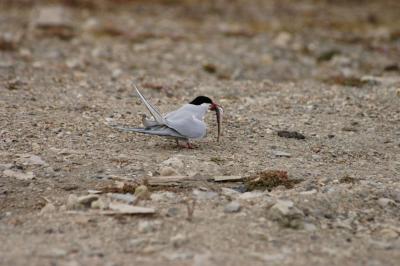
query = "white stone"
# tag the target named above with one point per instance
(204, 195)
(178, 240)
(173, 162)
(18, 175)
(168, 171)
(233, 206)
(251, 195)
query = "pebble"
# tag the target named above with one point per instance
(178, 240)
(173, 162)
(88, 199)
(396, 195)
(203, 259)
(55, 253)
(116, 73)
(282, 39)
(284, 212)
(99, 204)
(31, 159)
(251, 195)
(48, 208)
(142, 192)
(204, 195)
(18, 175)
(167, 171)
(290, 134)
(389, 233)
(123, 208)
(179, 256)
(73, 203)
(384, 202)
(5, 166)
(163, 196)
(231, 207)
(53, 17)
(281, 154)
(9, 41)
(172, 212)
(147, 226)
(128, 198)
(310, 227)
(229, 192)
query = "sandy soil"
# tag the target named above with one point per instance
(326, 69)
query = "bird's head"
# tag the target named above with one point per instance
(204, 100)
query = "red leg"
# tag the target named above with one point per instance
(189, 145)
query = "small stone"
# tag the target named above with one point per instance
(310, 227)
(87, 200)
(179, 255)
(53, 17)
(283, 207)
(384, 202)
(172, 212)
(395, 195)
(290, 134)
(178, 240)
(228, 192)
(147, 226)
(5, 166)
(73, 203)
(99, 204)
(48, 208)
(282, 39)
(18, 175)
(173, 162)
(287, 214)
(9, 41)
(55, 253)
(122, 208)
(31, 159)
(388, 233)
(203, 259)
(204, 195)
(281, 154)
(251, 195)
(142, 192)
(75, 63)
(54, 21)
(168, 171)
(232, 207)
(128, 198)
(163, 196)
(137, 242)
(116, 73)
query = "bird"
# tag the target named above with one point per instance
(184, 124)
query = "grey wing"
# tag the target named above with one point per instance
(154, 130)
(184, 121)
(154, 112)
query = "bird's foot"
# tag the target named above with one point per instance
(187, 145)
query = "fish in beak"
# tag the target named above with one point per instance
(218, 112)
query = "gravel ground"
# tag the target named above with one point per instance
(328, 70)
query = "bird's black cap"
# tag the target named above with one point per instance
(201, 99)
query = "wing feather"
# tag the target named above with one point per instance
(153, 110)
(155, 130)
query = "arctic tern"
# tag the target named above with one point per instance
(185, 123)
